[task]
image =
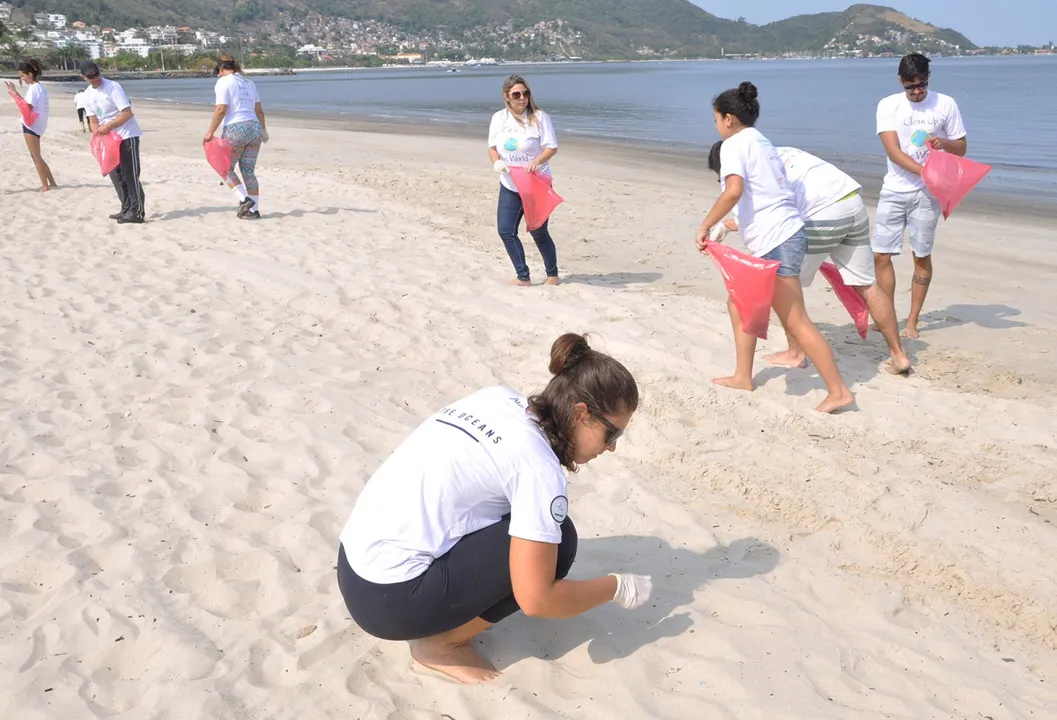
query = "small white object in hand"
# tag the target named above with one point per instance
(718, 233)
(632, 590)
(500, 166)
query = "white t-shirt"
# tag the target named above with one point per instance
(816, 184)
(766, 213)
(78, 100)
(937, 115)
(462, 470)
(37, 96)
(240, 95)
(105, 102)
(519, 143)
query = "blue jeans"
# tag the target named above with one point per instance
(790, 254)
(508, 218)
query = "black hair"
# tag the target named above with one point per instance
(713, 156)
(31, 67)
(740, 102)
(913, 66)
(580, 375)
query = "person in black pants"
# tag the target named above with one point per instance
(109, 110)
(467, 522)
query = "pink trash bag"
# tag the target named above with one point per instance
(950, 178)
(537, 196)
(750, 282)
(29, 116)
(218, 155)
(107, 151)
(851, 300)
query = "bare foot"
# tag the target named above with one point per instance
(833, 403)
(551, 281)
(899, 364)
(734, 382)
(462, 663)
(520, 283)
(911, 330)
(786, 359)
(45, 188)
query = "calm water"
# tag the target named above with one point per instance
(823, 106)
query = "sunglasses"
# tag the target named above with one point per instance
(917, 86)
(613, 433)
(518, 94)
(92, 76)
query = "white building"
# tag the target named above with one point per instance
(56, 20)
(163, 35)
(5, 11)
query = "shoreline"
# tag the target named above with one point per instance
(980, 203)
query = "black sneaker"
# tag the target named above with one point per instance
(245, 207)
(116, 216)
(125, 219)
(251, 215)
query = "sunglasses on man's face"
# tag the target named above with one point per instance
(518, 94)
(91, 76)
(916, 86)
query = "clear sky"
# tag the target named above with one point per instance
(985, 22)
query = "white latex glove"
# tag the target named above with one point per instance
(264, 137)
(500, 166)
(632, 590)
(718, 233)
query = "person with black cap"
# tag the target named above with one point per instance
(109, 110)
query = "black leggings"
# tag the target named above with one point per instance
(472, 580)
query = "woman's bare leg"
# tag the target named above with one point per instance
(745, 346)
(452, 654)
(789, 304)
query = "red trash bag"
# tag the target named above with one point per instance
(29, 116)
(950, 178)
(851, 300)
(537, 196)
(218, 155)
(750, 282)
(107, 151)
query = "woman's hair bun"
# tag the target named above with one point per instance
(566, 351)
(747, 90)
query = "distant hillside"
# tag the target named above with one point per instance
(600, 28)
(866, 27)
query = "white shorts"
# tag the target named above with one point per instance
(916, 213)
(841, 232)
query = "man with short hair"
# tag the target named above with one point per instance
(109, 110)
(911, 124)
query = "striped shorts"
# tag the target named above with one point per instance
(840, 232)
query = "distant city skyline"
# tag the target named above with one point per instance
(1013, 22)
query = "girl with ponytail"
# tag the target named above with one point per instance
(467, 522)
(756, 191)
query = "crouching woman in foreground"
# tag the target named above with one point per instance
(467, 521)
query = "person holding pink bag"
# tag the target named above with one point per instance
(521, 135)
(110, 111)
(37, 101)
(239, 111)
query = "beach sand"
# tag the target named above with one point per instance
(188, 409)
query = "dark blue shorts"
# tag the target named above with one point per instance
(27, 131)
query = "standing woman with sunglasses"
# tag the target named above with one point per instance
(37, 98)
(521, 135)
(239, 111)
(467, 521)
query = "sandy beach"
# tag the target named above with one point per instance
(188, 409)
